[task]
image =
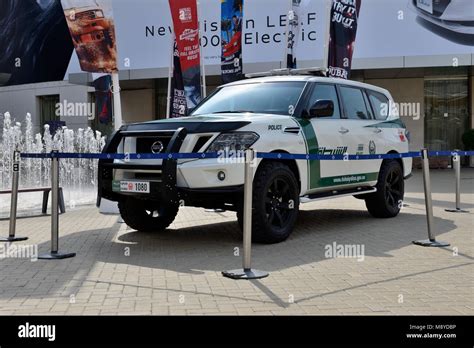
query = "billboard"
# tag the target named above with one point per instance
(35, 45)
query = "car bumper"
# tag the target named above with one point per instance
(462, 27)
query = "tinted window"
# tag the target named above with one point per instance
(354, 104)
(380, 104)
(325, 92)
(278, 98)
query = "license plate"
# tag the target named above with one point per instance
(425, 5)
(131, 186)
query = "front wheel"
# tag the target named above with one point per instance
(275, 203)
(388, 200)
(147, 216)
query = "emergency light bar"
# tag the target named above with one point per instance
(289, 72)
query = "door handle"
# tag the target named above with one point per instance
(343, 130)
(377, 130)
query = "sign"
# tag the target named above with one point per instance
(92, 31)
(343, 31)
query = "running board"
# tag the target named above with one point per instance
(337, 193)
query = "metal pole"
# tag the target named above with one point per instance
(457, 173)
(118, 120)
(247, 272)
(14, 201)
(429, 204)
(170, 77)
(248, 174)
(54, 254)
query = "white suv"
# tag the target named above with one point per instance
(294, 114)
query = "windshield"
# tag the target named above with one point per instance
(279, 98)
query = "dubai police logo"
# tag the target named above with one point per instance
(372, 147)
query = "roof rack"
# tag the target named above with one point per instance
(290, 72)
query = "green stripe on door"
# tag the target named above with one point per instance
(314, 167)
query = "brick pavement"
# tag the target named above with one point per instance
(120, 271)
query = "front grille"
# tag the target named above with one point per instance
(145, 144)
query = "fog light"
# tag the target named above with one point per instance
(221, 176)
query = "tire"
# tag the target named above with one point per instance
(387, 201)
(147, 216)
(273, 215)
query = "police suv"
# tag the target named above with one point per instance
(283, 111)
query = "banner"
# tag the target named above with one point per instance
(343, 30)
(188, 65)
(103, 98)
(92, 30)
(298, 19)
(231, 40)
(178, 105)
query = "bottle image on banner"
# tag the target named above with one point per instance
(187, 50)
(343, 31)
(231, 37)
(92, 30)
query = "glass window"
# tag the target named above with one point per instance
(325, 92)
(354, 104)
(380, 104)
(279, 98)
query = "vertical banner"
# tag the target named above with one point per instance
(178, 96)
(292, 34)
(231, 40)
(103, 98)
(343, 31)
(92, 29)
(187, 57)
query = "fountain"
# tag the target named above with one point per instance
(78, 177)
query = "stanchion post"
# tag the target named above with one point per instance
(457, 173)
(55, 254)
(431, 242)
(247, 272)
(14, 201)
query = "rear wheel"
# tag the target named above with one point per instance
(147, 216)
(275, 203)
(388, 200)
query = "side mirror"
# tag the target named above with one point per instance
(322, 108)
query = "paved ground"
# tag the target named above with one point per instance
(119, 271)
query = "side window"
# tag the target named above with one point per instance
(380, 104)
(354, 104)
(325, 92)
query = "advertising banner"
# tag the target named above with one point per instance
(178, 103)
(35, 45)
(343, 31)
(186, 30)
(231, 40)
(297, 21)
(103, 98)
(92, 29)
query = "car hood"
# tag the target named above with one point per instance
(205, 123)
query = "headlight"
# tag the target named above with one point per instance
(233, 142)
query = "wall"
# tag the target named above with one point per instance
(138, 105)
(19, 100)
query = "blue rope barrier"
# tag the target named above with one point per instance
(282, 156)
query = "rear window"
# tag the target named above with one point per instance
(354, 104)
(380, 104)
